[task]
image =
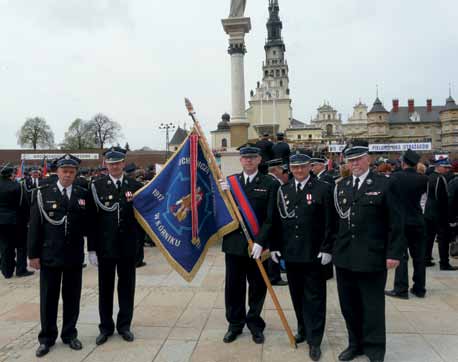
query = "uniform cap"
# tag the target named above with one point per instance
(115, 154)
(68, 160)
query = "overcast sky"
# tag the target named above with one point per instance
(135, 60)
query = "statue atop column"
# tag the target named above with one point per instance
(237, 8)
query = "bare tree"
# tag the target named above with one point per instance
(78, 136)
(35, 132)
(104, 130)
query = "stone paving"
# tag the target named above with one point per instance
(175, 321)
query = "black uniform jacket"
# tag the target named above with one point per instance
(10, 200)
(374, 232)
(436, 208)
(113, 237)
(412, 186)
(453, 200)
(261, 193)
(325, 176)
(266, 149)
(310, 229)
(50, 243)
(281, 150)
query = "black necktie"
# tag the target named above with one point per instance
(64, 198)
(118, 185)
(299, 187)
(247, 181)
(356, 186)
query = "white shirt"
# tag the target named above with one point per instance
(117, 179)
(249, 177)
(303, 183)
(68, 189)
(361, 179)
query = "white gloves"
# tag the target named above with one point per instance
(275, 255)
(224, 185)
(325, 258)
(93, 258)
(256, 251)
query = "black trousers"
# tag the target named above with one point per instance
(307, 286)
(239, 269)
(443, 238)
(362, 302)
(51, 280)
(126, 293)
(273, 270)
(416, 243)
(13, 250)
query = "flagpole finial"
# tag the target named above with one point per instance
(189, 105)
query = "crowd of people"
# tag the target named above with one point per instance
(359, 217)
(354, 219)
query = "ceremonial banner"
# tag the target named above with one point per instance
(183, 209)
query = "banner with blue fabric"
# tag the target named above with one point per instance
(183, 209)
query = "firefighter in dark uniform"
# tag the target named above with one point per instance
(412, 186)
(436, 215)
(114, 245)
(369, 241)
(279, 173)
(307, 221)
(52, 175)
(265, 145)
(319, 170)
(281, 149)
(13, 211)
(58, 223)
(261, 191)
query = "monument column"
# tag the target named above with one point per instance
(236, 28)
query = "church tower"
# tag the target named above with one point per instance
(270, 104)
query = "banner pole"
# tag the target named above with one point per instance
(264, 275)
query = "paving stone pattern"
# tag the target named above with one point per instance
(177, 321)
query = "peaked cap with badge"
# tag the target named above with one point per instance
(115, 154)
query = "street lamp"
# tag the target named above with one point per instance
(167, 127)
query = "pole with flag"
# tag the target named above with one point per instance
(243, 226)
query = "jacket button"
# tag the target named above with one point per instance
(353, 236)
(352, 214)
(297, 227)
(352, 225)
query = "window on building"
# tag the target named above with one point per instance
(329, 130)
(310, 137)
(283, 72)
(224, 142)
(274, 52)
(298, 136)
(281, 83)
(266, 73)
(329, 116)
(278, 72)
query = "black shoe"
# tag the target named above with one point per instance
(128, 336)
(101, 339)
(448, 267)
(349, 354)
(258, 337)
(24, 274)
(430, 263)
(395, 294)
(417, 293)
(299, 338)
(315, 353)
(140, 264)
(230, 336)
(42, 350)
(75, 344)
(280, 282)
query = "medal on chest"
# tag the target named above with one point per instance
(129, 196)
(82, 202)
(309, 199)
